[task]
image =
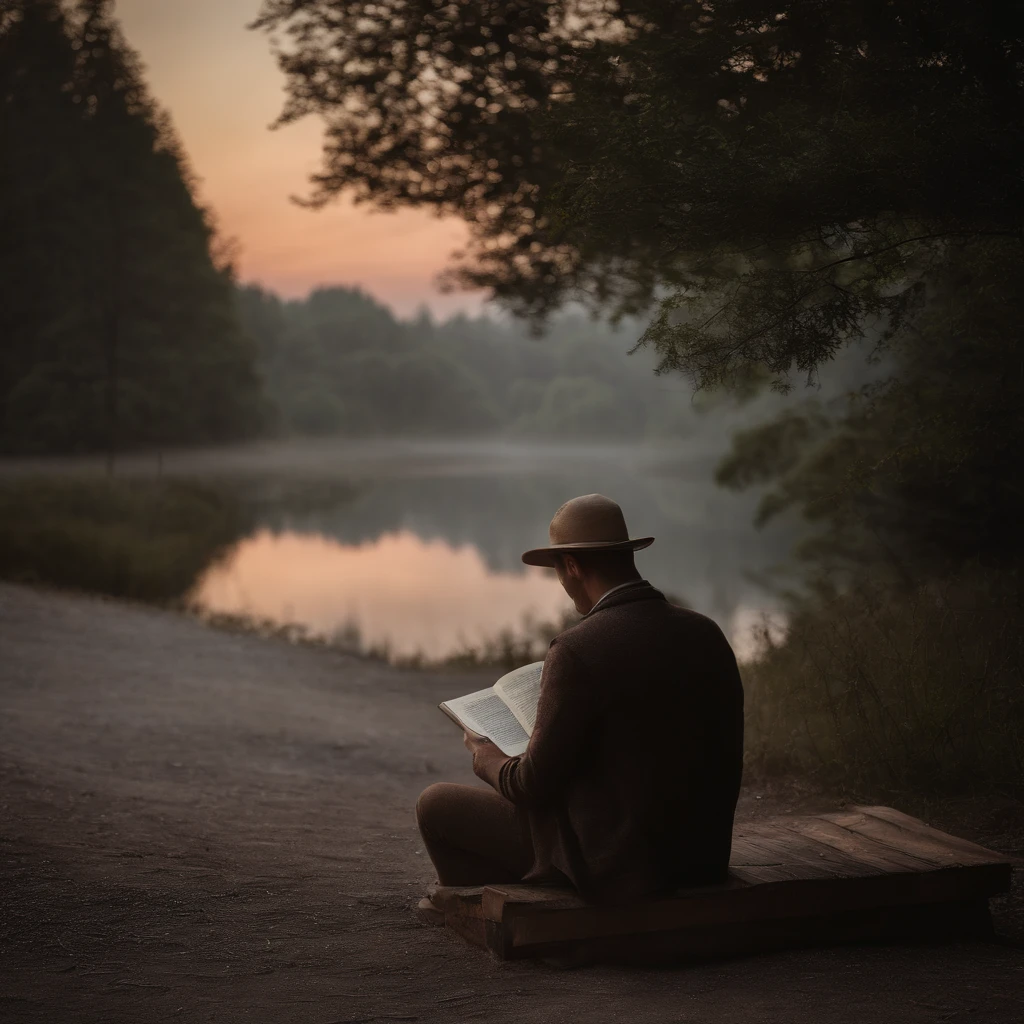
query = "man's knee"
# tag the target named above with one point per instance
(431, 805)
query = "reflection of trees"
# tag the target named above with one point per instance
(705, 548)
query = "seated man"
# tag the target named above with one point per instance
(628, 786)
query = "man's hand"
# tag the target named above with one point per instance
(487, 758)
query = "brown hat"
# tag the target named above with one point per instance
(591, 522)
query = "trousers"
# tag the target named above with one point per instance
(473, 835)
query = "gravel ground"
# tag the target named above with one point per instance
(198, 826)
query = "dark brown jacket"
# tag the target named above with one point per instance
(630, 780)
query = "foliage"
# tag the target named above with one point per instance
(610, 147)
(142, 539)
(338, 362)
(117, 316)
(922, 467)
(868, 693)
(784, 180)
(785, 177)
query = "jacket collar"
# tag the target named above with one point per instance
(641, 590)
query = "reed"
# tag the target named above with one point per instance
(141, 539)
(883, 688)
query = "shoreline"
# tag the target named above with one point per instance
(383, 457)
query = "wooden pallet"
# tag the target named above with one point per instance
(866, 873)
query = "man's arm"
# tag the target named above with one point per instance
(565, 714)
(487, 758)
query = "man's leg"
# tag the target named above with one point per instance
(473, 835)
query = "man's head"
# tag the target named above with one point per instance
(585, 575)
(590, 549)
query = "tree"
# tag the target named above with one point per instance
(133, 337)
(339, 362)
(781, 178)
(37, 198)
(613, 148)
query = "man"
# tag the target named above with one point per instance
(629, 783)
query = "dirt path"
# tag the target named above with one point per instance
(196, 826)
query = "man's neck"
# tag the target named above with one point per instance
(598, 589)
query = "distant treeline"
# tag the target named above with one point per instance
(340, 362)
(122, 326)
(118, 325)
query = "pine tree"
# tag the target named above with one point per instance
(176, 366)
(141, 343)
(39, 125)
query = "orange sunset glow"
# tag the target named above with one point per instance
(221, 84)
(418, 596)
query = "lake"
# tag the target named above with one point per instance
(413, 547)
(419, 553)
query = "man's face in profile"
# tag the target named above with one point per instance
(570, 576)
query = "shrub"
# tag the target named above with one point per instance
(877, 686)
(143, 539)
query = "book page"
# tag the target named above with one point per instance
(485, 713)
(520, 690)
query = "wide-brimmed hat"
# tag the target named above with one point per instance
(591, 522)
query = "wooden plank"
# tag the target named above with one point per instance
(463, 911)
(789, 878)
(443, 895)
(769, 864)
(745, 905)
(914, 826)
(861, 848)
(497, 897)
(806, 859)
(806, 850)
(900, 840)
(930, 921)
(766, 853)
(750, 874)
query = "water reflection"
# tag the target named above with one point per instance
(417, 543)
(400, 591)
(426, 558)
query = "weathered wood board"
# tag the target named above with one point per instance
(865, 873)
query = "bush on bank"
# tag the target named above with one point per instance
(143, 539)
(882, 688)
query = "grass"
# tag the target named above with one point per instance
(140, 539)
(507, 649)
(879, 688)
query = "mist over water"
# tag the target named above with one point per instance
(415, 545)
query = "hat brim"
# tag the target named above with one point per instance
(544, 556)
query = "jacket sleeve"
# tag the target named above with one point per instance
(565, 714)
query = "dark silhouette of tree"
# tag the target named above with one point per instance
(611, 148)
(39, 119)
(133, 338)
(780, 179)
(339, 362)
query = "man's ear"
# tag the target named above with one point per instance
(572, 567)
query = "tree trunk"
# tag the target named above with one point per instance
(112, 347)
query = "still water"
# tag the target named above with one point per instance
(415, 547)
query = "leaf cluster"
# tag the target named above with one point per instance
(789, 162)
(781, 179)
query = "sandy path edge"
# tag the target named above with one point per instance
(202, 826)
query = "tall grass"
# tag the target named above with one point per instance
(895, 689)
(140, 539)
(503, 651)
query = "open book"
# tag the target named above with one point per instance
(504, 712)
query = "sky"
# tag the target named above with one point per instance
(223, 89)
